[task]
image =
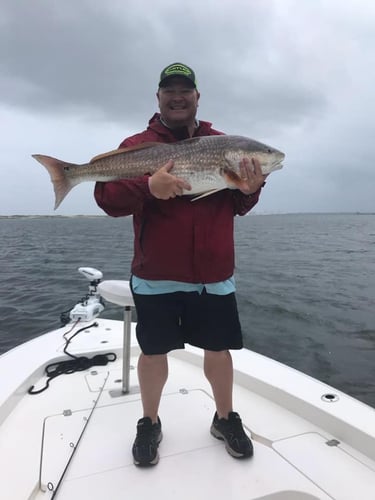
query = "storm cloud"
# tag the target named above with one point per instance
(76, 77)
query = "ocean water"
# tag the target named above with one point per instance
(305, 285)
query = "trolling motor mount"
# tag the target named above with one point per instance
(92, 304)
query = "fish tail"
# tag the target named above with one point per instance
(57, 170)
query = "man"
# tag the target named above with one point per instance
(183, 264)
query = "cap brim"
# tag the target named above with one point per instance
(166, 80)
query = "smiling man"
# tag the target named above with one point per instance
(182, 269)
(178, 97)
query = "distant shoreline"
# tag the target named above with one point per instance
(50, 216)
(20, 216)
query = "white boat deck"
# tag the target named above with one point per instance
(73, 441)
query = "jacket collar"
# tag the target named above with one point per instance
(156, 124)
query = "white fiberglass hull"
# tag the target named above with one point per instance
(73, 441)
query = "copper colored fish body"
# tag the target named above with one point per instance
(208, 163)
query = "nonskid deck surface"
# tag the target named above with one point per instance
(193, 464)
(88, 426)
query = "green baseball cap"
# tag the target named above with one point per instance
(177, 69)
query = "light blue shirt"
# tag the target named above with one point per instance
(156, 287)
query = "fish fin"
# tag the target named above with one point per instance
(207, 193)
(115, 152)
(57, 170)
(232, 179)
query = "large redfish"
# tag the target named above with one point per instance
(208, 164)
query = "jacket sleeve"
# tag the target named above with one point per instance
(126, 196)
(243, 203)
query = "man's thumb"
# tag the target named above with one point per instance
(168, 166)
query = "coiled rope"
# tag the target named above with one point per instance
(76, 364)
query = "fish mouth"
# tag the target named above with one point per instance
(276, 165)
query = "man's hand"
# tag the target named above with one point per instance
(251, 176)
(164, 185)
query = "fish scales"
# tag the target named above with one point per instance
(187, 159)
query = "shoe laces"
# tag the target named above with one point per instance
(145, 431)
(234, 426)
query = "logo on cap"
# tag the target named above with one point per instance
(178, 69)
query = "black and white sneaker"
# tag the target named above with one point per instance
(145, 447)
(230, 430)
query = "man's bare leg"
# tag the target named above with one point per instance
(152, 375)
(218, 368)
(227, 425)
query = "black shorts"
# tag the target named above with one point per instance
(167, 321)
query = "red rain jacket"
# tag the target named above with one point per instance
(176, 239)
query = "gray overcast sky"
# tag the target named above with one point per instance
(77, 76)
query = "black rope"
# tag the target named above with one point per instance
(76, 364)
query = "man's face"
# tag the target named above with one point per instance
(178, 102)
